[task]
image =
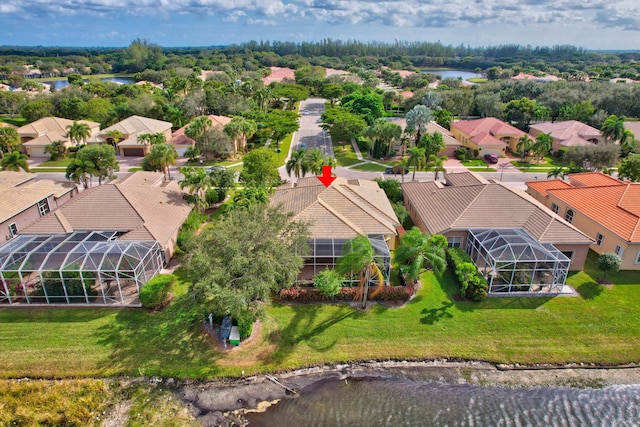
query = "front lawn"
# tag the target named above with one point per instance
(474, 162)
(371, 167)
(345, 156)
(599, 326)
(56, 163)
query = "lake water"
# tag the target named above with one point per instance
(464, 75)
(375, 402)
(59, 84)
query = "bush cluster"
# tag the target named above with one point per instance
(154, 292)
(388, 293)
(472, 284)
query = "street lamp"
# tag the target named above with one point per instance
(502, 167)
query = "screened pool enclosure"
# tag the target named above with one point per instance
(513, 261)
(83, 267)
(326, 252)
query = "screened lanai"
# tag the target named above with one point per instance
(82, 267)
(326, 252)
(513, 261)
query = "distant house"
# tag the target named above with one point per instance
(182, 142)
(602, 207)
(517, 243)
(23, 200)
(544, 79)
(337, 213)
(451, 144)
(278, 74)
(488, 135)
(98, 249)
(37, 135)
(570, 133)
(131, 128)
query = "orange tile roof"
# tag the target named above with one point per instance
(543, 186)
(615, 207)
(592, 179)
(490, 125)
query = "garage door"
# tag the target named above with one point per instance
(36, 151)
(137, 152)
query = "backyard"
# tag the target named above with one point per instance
(600, 326)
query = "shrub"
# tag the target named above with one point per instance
(388, 293)
(462, 153)
(194, 220)
(186, 241)
(472, 284)
(328, 282)
(154, 292)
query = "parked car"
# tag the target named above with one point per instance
(396, 170)
(491, 158)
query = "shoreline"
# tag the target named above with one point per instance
(224, 402)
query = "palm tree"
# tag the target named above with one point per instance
(418, 250)
(542, 146)
(78, 132)
(402, 164)
(196, 180)
(15, 161)
(115, 135)
(628, 143)
(358, 258)
(240, 130)
(524, 145)
(438, 164)
(177, 116)
(298, 163)
(162, 156)
(80, 172)
(613, 128)
(417, 120)
(9, 140)
(56, 150)
(152, 138)
(197, 127)
(416, 159)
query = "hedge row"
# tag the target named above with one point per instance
(155, 291)
(472, 284)
(388, 293)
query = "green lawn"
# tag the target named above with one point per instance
(474, 162)
(47, 170)
(56, 163)
(17, 120)
(478, 80)
(345, 156)
(482, 169)
(371, 167)
(599, 326)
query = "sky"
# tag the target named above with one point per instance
(591, 24)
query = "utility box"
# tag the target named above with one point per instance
(234, 336)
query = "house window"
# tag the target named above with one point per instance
(599, 239)
(454, 242)
(13, 229)
(568, 254)
(43, 207)
(619, 251)
(555, 208)
(637, 261)
(569, 216)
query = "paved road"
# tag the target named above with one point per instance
(310, 134)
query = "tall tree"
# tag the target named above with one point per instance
(437, 162)
(15, 161)
(245, 256)
(102, 161)
(416, 159)
(56, 150)
(542, 145)
(629, 168)
(281, 123)
(80, 172)
(359, 260)
(298, 163)
(152, 138)
(78, 132)
(432, 143)
(197, 181)
(240, 130)
(9, 140)
(524, 146)
(160, 158)
(418, 250)
(342, 125)
(260, 169)
(613, 128)
(197, 127)
(417, 120)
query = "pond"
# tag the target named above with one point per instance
(59, 84)
(445, 73)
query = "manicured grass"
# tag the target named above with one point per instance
(16, 120)
(599, 326)
(56, 163)
(345, 156)
(478, 80)
(284, 149)
(134, 169)
(371, 167)
(48, 170)
(474, 162)
(214, 163)
(482, 169)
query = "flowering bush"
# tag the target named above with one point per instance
(388, 293)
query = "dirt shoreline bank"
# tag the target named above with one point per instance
(223, 402)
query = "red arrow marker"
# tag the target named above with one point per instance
(326, 179)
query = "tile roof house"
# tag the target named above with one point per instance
(130, 128)
(23, 200)
(337, 213)
(468, 205)
(37, 135)
(182, 142)
(488, 135)
(570, 133)
(140, 207)
(602, 207)
(451, 144)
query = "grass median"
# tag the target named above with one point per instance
(599, 326)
